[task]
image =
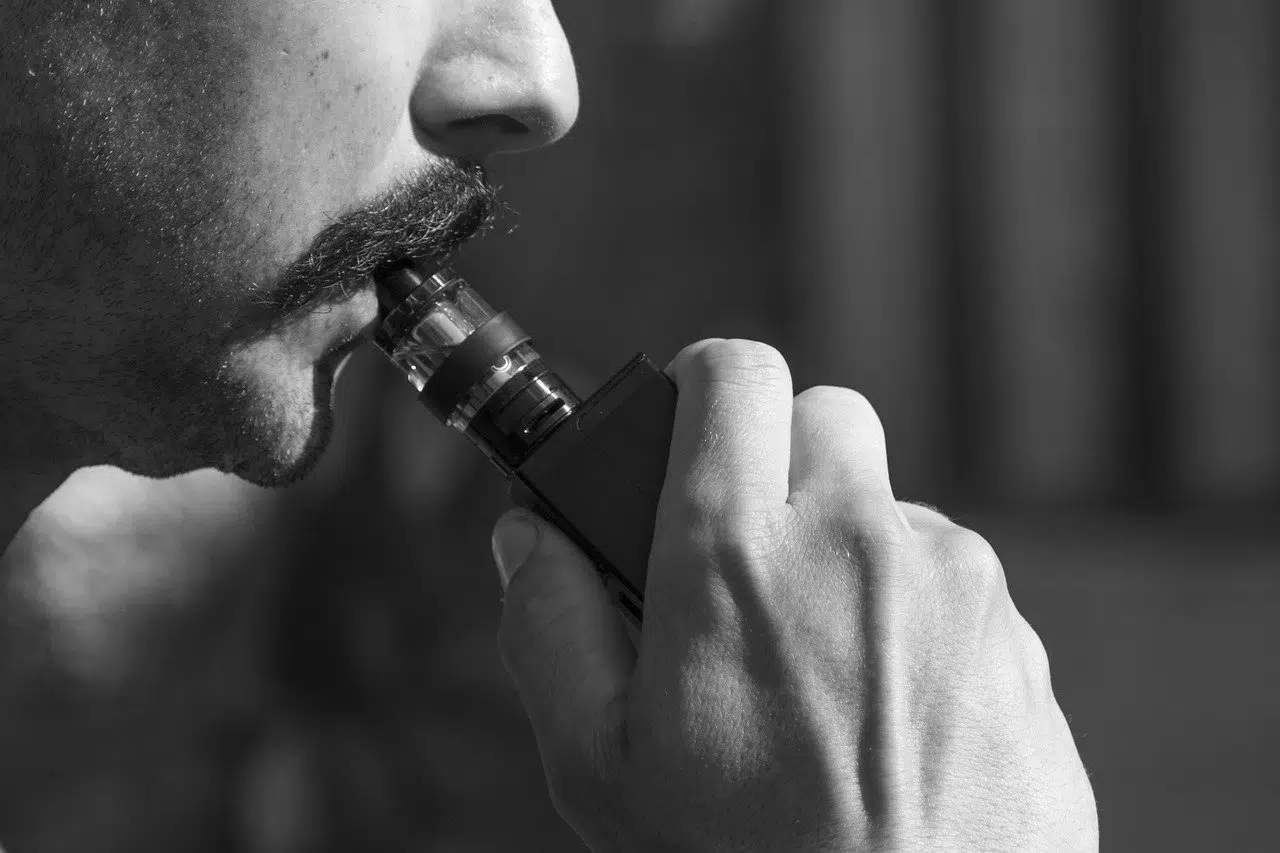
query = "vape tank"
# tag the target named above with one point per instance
(593, 468)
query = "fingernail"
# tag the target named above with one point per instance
(514, 538)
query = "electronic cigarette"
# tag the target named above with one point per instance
(593, 468)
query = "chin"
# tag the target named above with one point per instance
(267, 428)
(283, 459)
(261, 412)
(281, 440)
(271, 446)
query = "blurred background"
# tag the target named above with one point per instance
(1040, 236)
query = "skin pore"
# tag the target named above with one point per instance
(197, 192)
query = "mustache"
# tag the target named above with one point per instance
(425, 217)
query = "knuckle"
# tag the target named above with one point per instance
(734, 362)
(525, 603)
(865, 503)
(586, 778)
(568, 788)
(731, 541)
(841, 422)
(851, 405)
(1035, 664)
(695, 515)
(746, 355)
(971, 576)
(711, 516)
(511, 642)
(866, 528)
(690, 355)
(576, 781)
(531, 606)
(734, 534)
(925, 518)
(745, 540)
(971, 556)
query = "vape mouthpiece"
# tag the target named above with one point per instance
(474, 369)
(395, 283)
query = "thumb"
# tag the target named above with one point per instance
(561, 639)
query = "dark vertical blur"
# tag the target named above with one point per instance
(1048, 229)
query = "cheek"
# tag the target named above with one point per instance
(315, 115)
(327, 109)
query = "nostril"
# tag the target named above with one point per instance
(478, 137)
(499, 124)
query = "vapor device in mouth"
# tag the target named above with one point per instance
(593, 468)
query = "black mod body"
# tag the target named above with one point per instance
(593, 468)
(598, 476)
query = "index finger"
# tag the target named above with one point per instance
(731, 446)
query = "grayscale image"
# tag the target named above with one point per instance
(664, 426)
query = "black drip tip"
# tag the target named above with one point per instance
(395, 282)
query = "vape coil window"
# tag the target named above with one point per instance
(474, 369)
(433, 319)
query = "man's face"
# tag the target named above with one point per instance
(173, 163)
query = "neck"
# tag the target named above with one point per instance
(22, 494)
(34, 461)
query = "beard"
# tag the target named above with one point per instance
(249, 390)
(274, 437)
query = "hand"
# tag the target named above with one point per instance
(821, 668)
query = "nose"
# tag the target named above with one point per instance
(500, 78)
